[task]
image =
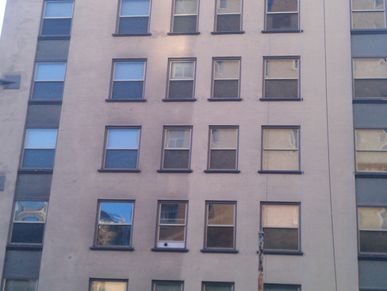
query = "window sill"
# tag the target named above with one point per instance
(222, 171)
(227, 32)
(42, 102)
(282, 253)
(130, 34)
(280, 99)
(372, 257)
(224, 99)
(26, 247)
(178, 100)
(54, 37)
(175, 171)
(369, 31)
(119, 170)
(370, 100)
(183, 33)
(283, 31)
(35, 171)
(281, 172)
(370, 175)
(125, 100)
(220, 251)
(122, 249)
(170, 250)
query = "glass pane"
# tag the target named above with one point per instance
(180, 89)
(177, 138)
(220, 214)
(171, 233)
(226, 69)
(280, 161)
(186, 6)
(282, 69)
(223, 160)
(373, 242)
(30, 211)
(121, 159)
(123, 138)
(280, 216)
(129, 71)
(228, 6)
(226, 89)
(367, 4)
(370, 20)
(40, 138)
(50, 71)
(282, 21)
(282, 5)
(20, 285)
(182, 70)
(371, 139)
(108, 286)
(218, 287)
(279, 138)
(116, 212)
(220, 237)
(59, 9)
(371, 161)
(168, 286)
(281, 239)
(172, 213)
(372, 218)
(276, 287)
(224, 138)
(30, 233)
(114, 235)
(370, 68)
(134, 7)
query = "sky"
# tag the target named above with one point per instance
(2, 7)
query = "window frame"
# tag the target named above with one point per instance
(266, 171)
(206, 226)
(204, 283)
(20, 279)
(216, 14)
(107, 128)
(173, 15)
(261, 228)
(213, 79)
(113, 247)
(43, 18)
(117, 31)
(169, 79)
(155, 282)
(283, 285)
(270, 30)
(360, 11)
(264, 79)
(108, 280)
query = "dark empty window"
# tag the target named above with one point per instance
(281, 78)
(223, 148)
(220, 225)
(282, 15)
(370, 77)
(39, 148)
(281, 287)
(108, 285)
(177, 148)
(57, 18)
(228, 16)
(218, 286)
(115, 224)
(372, 229)
(185, 16)
(122, 146)
(280, 224)
(371, 150)
(134, 17)
(48, 81)
(28, 222)
(19, 285)
(181, 79)
(226, 78)
(368, 14)
(128, 80)
(167, 286)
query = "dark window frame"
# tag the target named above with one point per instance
(155, 282)
(216, 14)
(169, 71)
(43, 18)
(204, 283)
(284, 285)
(117, 31)
(108, 280)
(270, 30)
(173, 15)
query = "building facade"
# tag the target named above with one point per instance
(145, 144)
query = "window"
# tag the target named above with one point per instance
(281, 77)
(228, 16)
(115, 224)
(223, 148)
(370, 77)
(134, 17)
(226, 76)
(282, 287)
(28, 222)
(171, 227)
(177, 148)
(280, 149)
(282, 15)
(372, 229)
(122, 148)
(19, 285)
(371, 150)
(218, 286)
(39, 148)
(220, 225)
(280, 223)
(128, 80)
(167, 286)
(108, 285)
(185, 16)
(48, 81)
(57, 17)
(181, 79)
(368, 14)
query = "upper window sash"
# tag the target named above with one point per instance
(294, 143)
(212, 203)
(186, 130)
(370, 68)
(213, 145)
(368, 9)
(39, 212)
(372, 218)
(64, 12)
(101, 222)
(40, 138)
(183, 223)
(132, 14)
(220, 64)
(49, 72)
(288, 216)
(129, 68)
(128, 133)
(235, 12)
(282, 11)
(184, 78)
(296, 67)
(177, 13)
